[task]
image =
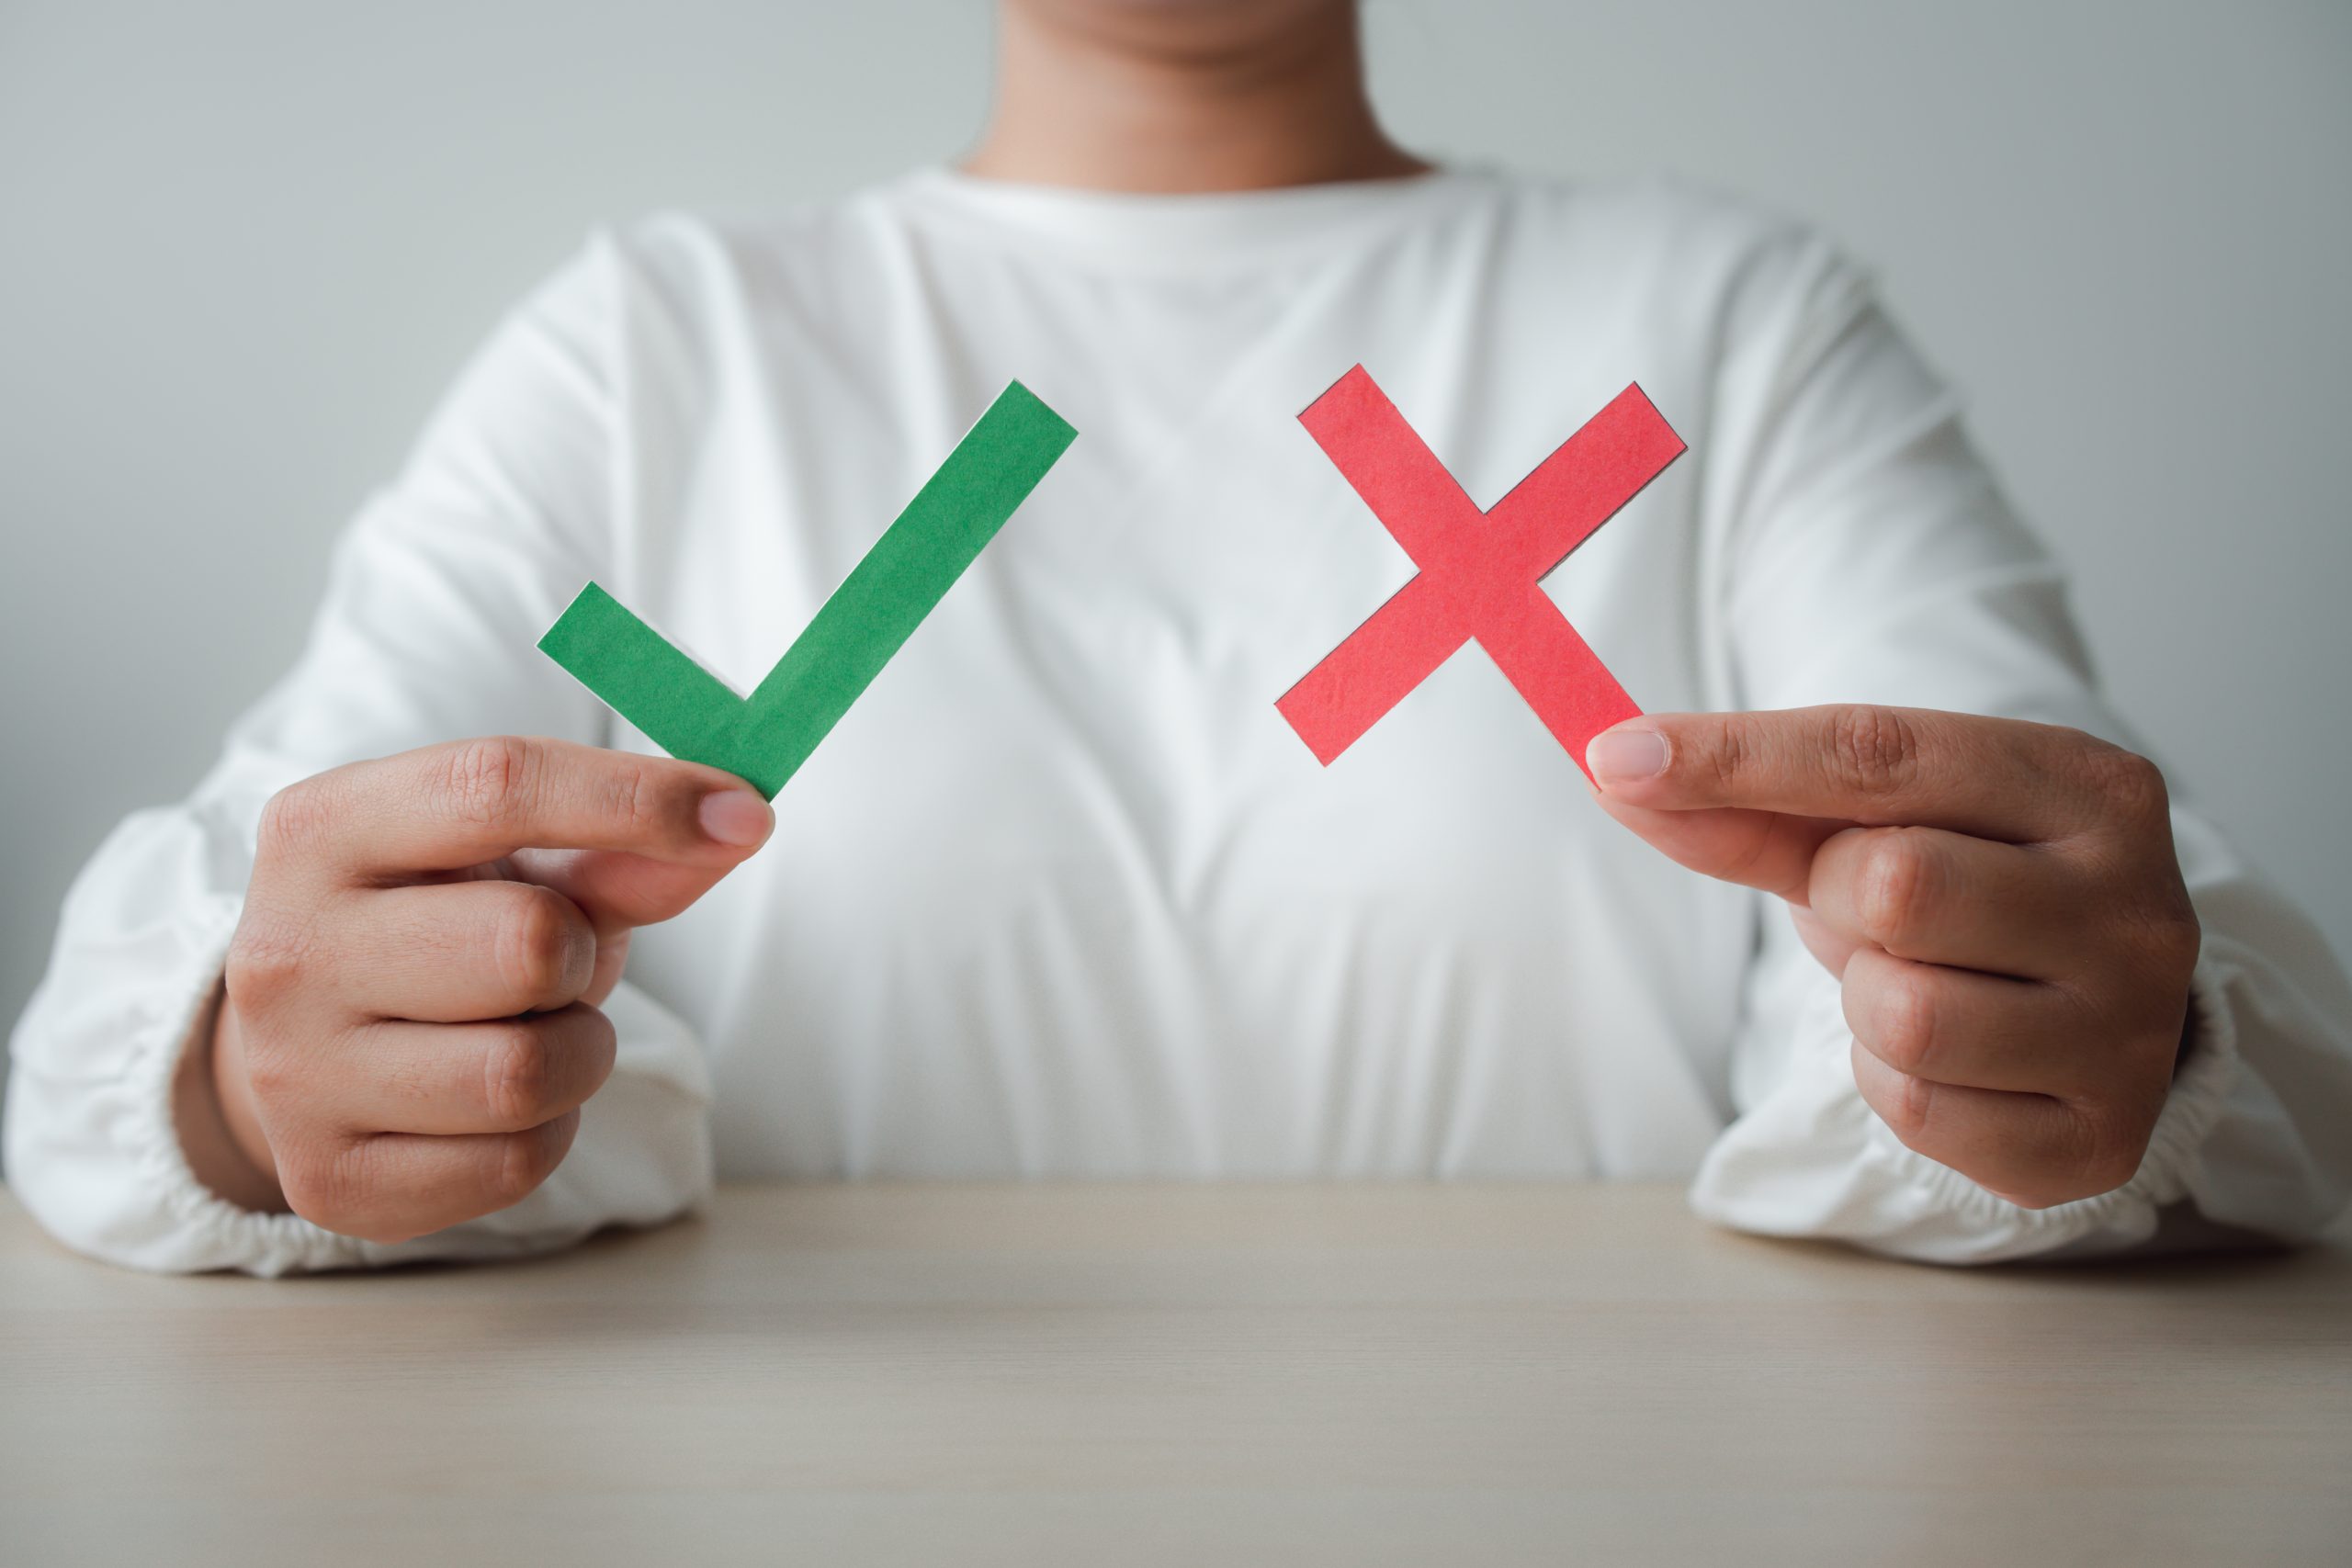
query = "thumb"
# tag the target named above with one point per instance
(619, 891)
(1770, 849)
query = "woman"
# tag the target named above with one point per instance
(1062, 894)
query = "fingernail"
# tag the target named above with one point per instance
(1622, 756)
(736, 816)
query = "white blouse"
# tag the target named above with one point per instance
(1063, 895)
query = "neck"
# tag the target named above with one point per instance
(1080, 109)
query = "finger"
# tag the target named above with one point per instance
(503, 1076)
(1969, 1030)
(450, 952)
(1942, 898)
(2001, 779)
(1756, 849)
(1832, 949)
(619, 891)
(2027, 1148)
(444, 808)
(394, 1186)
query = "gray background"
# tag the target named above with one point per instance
(244, 244)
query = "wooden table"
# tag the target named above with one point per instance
(1144, 1375)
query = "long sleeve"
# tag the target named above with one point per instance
(1868, 557)
(437, 591)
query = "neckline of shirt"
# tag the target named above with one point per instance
(1136, 231)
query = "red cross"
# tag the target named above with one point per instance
(1478, 570)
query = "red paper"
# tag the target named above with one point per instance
(1478, 569)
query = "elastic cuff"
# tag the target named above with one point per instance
(201, 1229)
(1999, 1230)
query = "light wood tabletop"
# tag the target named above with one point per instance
(1123, 1375)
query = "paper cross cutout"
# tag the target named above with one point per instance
(764, 737)
(1478, 570)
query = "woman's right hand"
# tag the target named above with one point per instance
(408, 1025)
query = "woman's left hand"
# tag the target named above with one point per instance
(2000, 901)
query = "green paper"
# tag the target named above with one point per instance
(764, 737)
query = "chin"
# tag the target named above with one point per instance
(1215, 25)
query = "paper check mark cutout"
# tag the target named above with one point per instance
(764, 737)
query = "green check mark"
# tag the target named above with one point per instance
(764, 737)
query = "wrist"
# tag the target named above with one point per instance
(212, 1107)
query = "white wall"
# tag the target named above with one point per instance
(244, 243)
